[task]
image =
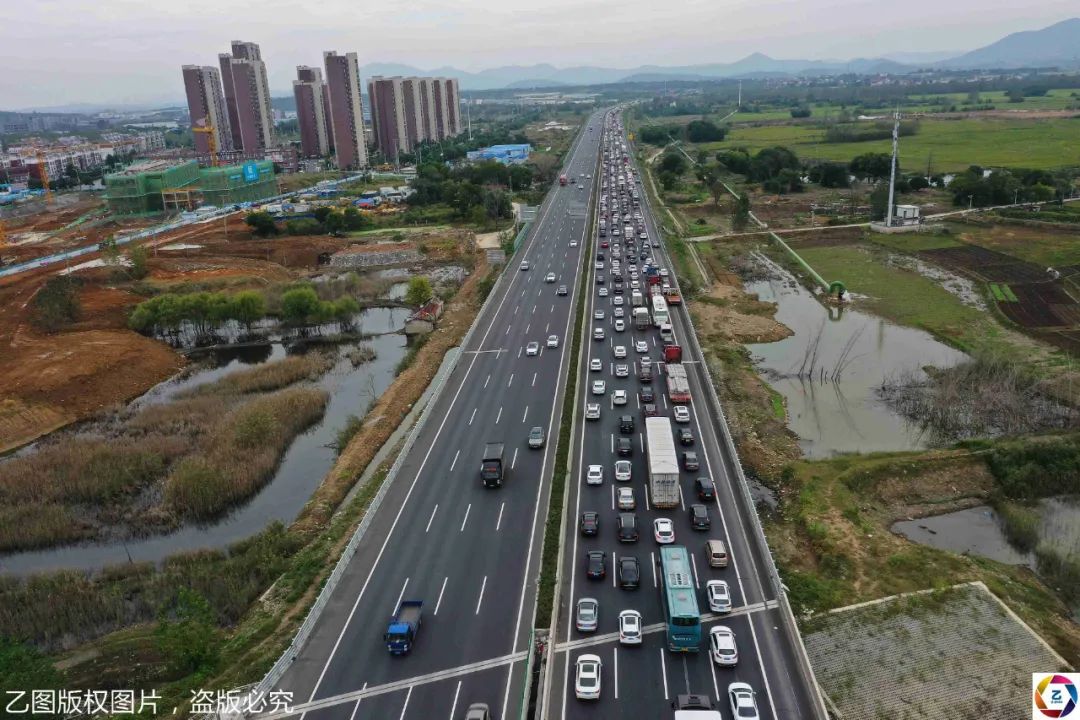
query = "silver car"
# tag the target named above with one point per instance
(588, 615)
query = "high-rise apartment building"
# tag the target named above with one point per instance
(247, 94)
(206, 106)
(406, 111)
(387, 98)
(346, 109)
(311, 112)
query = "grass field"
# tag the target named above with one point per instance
(954, 144)
(1049, 248)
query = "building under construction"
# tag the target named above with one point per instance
(160, 185)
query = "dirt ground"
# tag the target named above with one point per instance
(50, 380)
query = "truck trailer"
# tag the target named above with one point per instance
(663, 463)
(678, 387)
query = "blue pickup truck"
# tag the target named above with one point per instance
(403, 627)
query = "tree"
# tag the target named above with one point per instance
(704, 131)
(187, 635)
(248, 306)
(740, 212)
(668, 180)
(299, 305)
(335, 223)
(801, 112)
(918, 182)
(673, 162)
(57, 303)
(830, 175)
(717, 190)
(768, 163)
(261, 223)
(872, 166)
(419, 291)
(879, 202)
(138, 257)
(737, 161)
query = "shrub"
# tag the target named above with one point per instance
(704, 131)
(262, 224)
(304, 226)
(57, 304)
(1030, 470)
(187, 635)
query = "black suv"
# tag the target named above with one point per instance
(699, 517)
(626, 424)
(686, 436)
(627, 524)
(624, 447)
(629, 573)
(595, 564)
(646, 394)
(590, 522)
(705, 488)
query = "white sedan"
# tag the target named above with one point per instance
(532, 348)
(587, 677)
(719, 595)
(596, 365)
(682, 415)
(641, 346)
(622, 470)
(664, 531)
(741, 695)
(592, 411)
(599, 387)
(722, 647)
(620, 351)
(618, 397)
(550, 278)
(553, 341)
(594, 475)
(630, 627)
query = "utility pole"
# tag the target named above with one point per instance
(892, 169)
(468, 116)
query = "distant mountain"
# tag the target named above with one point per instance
(535, 84)
(1057, 45)
(919, 58)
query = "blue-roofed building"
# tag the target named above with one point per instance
(506, 154)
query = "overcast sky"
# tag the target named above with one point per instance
(57, 52)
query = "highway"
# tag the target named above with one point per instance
(471, 554)
(642, 681)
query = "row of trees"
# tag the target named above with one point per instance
(325, 220)
(700, 130)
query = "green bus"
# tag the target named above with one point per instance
(680, 600)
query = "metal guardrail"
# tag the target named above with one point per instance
(789, 624)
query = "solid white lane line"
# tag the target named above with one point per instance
(614, 568)
(663, 672)
(693, 563)
(454, 463)
(652, 562)
(453, 708)
(499, 416)
(433, 511)
(438, 603)
(646, 486)
(615, 669)
(498, 523)
(473, 416)
(406, 705)
(466, 518)
(513, 461)
(682, 500)
(612, 496)
(400, 595)
(481, 598)
(715, 687)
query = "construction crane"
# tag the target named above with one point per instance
(43, 171)
(204, 126)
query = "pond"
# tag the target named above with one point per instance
(978, 531)
(830, 370)
(303, 467)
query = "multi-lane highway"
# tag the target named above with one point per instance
(641, 681)
(471, 554)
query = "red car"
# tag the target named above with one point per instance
(603, 243)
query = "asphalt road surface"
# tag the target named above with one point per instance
(641, 681)
(471, 554)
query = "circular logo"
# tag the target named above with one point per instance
(1055, 696)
